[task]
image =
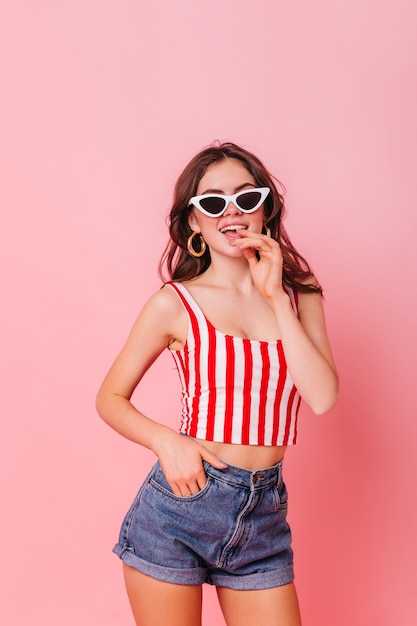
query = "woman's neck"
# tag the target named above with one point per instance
(232, 273)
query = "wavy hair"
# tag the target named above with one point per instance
(177, 260)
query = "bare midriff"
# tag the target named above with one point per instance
(252, 458)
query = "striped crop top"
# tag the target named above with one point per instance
(234, 390)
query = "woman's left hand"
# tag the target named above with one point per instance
(267, 269)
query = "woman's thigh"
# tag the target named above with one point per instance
(155, 602)
(264, 607)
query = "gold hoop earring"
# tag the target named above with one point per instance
(190, 245)
(268, 231)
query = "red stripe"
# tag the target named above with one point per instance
(294, 441)
(288, 420)
(278, 395)
(230, 388)
(192, 429)
(183, 365)
(211, 365)
(263, 392)
(247, 388)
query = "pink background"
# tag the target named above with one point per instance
(102, 104)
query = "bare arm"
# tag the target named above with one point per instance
(304, 338)
(307, 350)
(161, 321)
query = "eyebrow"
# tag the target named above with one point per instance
(221, 192)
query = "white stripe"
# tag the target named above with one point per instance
(183, 396)
(237, 423)
(271, 392)
(203, 404)
(255, 391)
(220, 411)
(283, 408)
(293, 412)
(292, 299)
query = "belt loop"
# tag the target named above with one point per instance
(279, 477)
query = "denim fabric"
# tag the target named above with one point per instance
(233, 533)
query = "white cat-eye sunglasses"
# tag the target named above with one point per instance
(215, 204)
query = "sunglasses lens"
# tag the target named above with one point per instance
(213, 205)
(249, 200)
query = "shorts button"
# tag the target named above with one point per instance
(257, 479)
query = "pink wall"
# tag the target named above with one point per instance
(103, 103)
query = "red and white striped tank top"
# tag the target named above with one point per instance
(234, 390)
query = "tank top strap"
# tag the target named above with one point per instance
(195, 313)
(293, 295)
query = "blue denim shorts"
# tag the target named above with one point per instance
(233, 533)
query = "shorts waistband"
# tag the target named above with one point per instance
(259, 479)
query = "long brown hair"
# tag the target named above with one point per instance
(178, 261)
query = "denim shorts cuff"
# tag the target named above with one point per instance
(261, 580)
(186, 576)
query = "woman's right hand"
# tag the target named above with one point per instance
(181, 459)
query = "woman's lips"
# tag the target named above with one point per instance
(233, 230)
(231, 235)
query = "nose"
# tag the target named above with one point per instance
(232, 209)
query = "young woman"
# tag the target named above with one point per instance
(242, 316)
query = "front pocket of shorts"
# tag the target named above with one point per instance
(124, 531)
(159, 482)
(281, 498)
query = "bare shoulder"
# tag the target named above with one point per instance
(164, 302)
(312, 318)
(309, 300)
(165, 310)
(164, 305)
(155, 328)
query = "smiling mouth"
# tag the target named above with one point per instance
(233, 228)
